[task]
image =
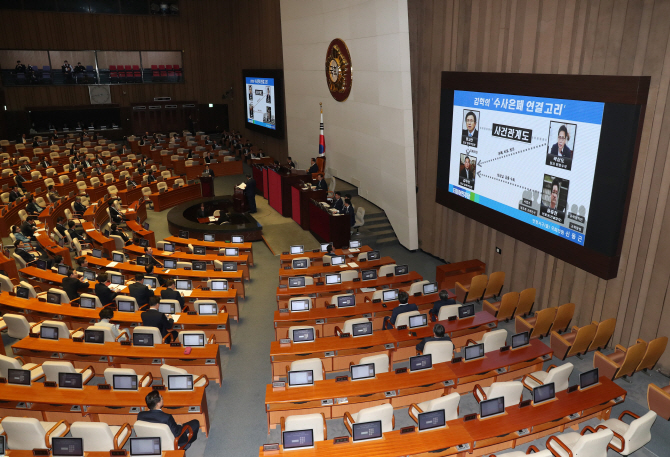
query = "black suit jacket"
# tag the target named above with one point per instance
(72, 286)
(33, 208)
(567, 152)
(338, 204)
(321, 185)
(201, 213)
(141, 293)
(13, 196)
(250, 190)
(440, 303)
(157, 416)
(464, 175)
(350, 211)
(475, 134)
(422, 344)
(154, 318)
(170, 294)
(402, 309)
(28, 229)
(151, 178)
(79, 208)
(153, 261)
(117, 217)
(60, 228)
(24, 255)
(104, 293)
(314, 168)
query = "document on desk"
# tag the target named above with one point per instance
(242, 186)
(175, 317)
(354, 250)
(212, 218)
(167, 253)
(112, 264)
(353, 265)
(187, 293)
(90, 230)
(166, 271)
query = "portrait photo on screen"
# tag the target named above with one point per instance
(561, 144)
(554, 198)
(470, 134)
(467, 174)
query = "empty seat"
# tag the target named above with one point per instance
(27, 433)
(381, 361)
(621, 363)
(18, 326)
(655, 349)
(628, 438)
(315, 422)
(449, 403)
(574, 343)
(440, 351)
(526, 302)
(495, 284)
(142, 381)
(17, 363)
(316, 365)
(383, 413)
(417, 287)
(493, 340)
(386, 270)
(100, 437)
(168, 370)
(52, 368)
(658, 400)
(473, 292)
(504, 309)
(447, 311)
(539, 325)
(511, 390)
(560, 376)
(603, 334)
(563, 317)
(580, 445)
(348, 275)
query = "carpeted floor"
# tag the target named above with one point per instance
(237, 417)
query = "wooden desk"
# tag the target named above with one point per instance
(286, 258)
(11, 453)
(52, 248)
(75, 317)
(213, 245)
(399, 345)
(279, 186)
(320, 270)
(448, 274)
(174, 197)
(410, 387)
(235, 278)
(9, 266)
(220, 168)
(98, 239)
(301, 198)
(142, 233)
(402, 282)
(241, 260)
(52, 404)
(325, 320)
(200, 361)
(328, 227)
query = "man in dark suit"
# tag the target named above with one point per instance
(73, 233)
(44, 164)
(208, 171)
(467, 172)
(321, 183)
(19, 180)
(79, 207)
(169, 293)
(14, 194)
(149, 254)
(470, 134)
(338, 202)
(154, 415)
(36, 144)
(314, 168)
(560, 148)
(250, 193)
(115, 214)
(348, 209)
(140, 292)
(60, 226)
(201, 211)
(32, 207)
(18, 250)
(403, 307)
(438, 335)
(103, 291)
(72, 284)
(150, 177)
(289, 163)
(115, 230)
(149, 271)
(443, 301)
(28, 228)
(154, 318)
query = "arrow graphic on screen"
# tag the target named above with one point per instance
(479, 173)
(531, 148)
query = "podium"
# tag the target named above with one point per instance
(240, 204)
(207, 185)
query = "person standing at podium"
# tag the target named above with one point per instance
(349, 210)
(250, 193)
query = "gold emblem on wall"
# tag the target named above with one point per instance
(338, 70)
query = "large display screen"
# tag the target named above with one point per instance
(531, 158)
(260, 99)
(546, 159)
(264, 101)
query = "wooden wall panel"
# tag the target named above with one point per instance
(219, 38)
(611, 37)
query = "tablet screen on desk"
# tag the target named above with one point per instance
(183, 284)
(363, 371)
(324, 247)
(492, 407)
(303, 335)
(298, 281)
(169, 264)
(199, 265)
(299, 304)
(87, 302)
(431, 420)
(97, 253)
(333, 279)
(41, 264)
(62, 270)
(345, 301)
(207, 309)
(149, 282)
(193, 339)
(298, 439)
(183, 234)
(465, 311)
(48, 332)
(219, 285)
(420, 362)
(166, 308)
(299, 264)
(18, 377)
(520, 340)
(232, 252)
(297, 250)
(390, 295)
(374, 255)
(94, 336)
(362, 329)
(355, 244)
(143, 339)
(72, 447)
(229, 266)
(475, 351)
(301, 378)
(368, 275)
(544, 393)
(53, 298)
(118, 257)
(337, 260)
(588, 378)
(429, 288)
(168, 247)
(237, 239)
(200, 250)
(146, 226)
(400, 270)
(125, 306)
(70, 380)
(420, 320)
(90, 275)
(116, 279)
(142, 261)
(144, 243)
(209, 237)
(180, 382)
(367, 431)
(124, 382)
(145, 446)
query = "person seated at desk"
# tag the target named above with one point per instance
(115, 214)
(99, 160)
(207, 158)
(115, 230)
(314, 168)
(321, 183)
(289, 163)
(102, 290)
(169, 293)
(71, 152)
(72, 284)
(15, 193)
(74, 234)
(16, 230)
(443, 301)
(29, 227)
(52, 193)
(150, 177)
(20, 250)
(106, 315)
(201, 211)
(36, 143)
(349, 209)
(208, 171)
(32, 207)
(154, 318)
(438, 335)
(86, 163)
(60, 226)
(97, 170)
(149, 254)
(155, 415)
(81, 174)
(79, 207)
(338, 203)
(19, 179)
(124, 150)
(149, 271)
(403, 307)
(44, 163)
(52, 141)
(57, 260)
(140, 292)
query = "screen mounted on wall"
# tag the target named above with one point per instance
(264, 101)
(546, 159)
